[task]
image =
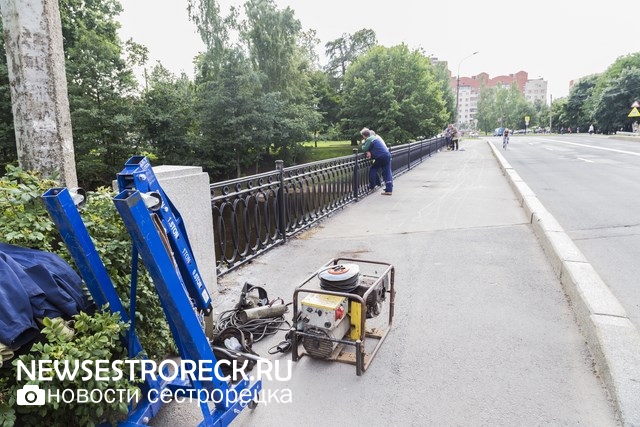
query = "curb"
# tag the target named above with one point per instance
(612, 339)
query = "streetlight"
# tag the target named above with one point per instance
(458, 85)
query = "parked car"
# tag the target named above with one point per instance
(498, 132)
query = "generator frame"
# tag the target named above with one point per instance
(361, 359)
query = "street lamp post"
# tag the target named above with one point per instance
(458, 87)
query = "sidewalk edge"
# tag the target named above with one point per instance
(612, 339)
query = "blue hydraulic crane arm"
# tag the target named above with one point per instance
(190, 338)
(65, 215)
(138, 175)
(151, 241)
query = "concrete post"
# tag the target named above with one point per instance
(35, 58)
(188, 189)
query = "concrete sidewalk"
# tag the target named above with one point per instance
(483, 334)
(613, 340)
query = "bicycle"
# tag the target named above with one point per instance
(505, 142)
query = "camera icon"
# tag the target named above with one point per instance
(30, 395)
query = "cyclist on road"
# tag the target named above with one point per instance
(505, 138)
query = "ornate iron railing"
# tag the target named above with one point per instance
(253, 214)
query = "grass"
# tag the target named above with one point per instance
(326, 150)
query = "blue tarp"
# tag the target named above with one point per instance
(35, 284)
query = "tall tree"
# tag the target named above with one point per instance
(232, 116)
(328, 105)
(614, 102)
(166, 115)
(276, 48)
(393, 91)
(443, 76)
(102, 88)
(580, 103)
(614, 92)
(489, 116)
(272, 47)
(344, 50)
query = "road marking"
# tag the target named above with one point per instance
(585, 160)
(596, 147)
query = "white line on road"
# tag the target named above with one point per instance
(596, 147)
(585, 160)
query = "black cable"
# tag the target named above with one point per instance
(258, 328)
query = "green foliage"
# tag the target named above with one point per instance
(602, 99)
(165, 114)
(579, 103)
(344, 50)
(323, 150)
(115, 249)
(24, 221)
(393, 91)
(254, 97)
(614, 102)
(101, 85)
(95, 337)
(500, 107)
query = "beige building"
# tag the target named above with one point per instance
(468, 88)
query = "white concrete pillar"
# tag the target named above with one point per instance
(188, 189)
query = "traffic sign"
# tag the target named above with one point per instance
(635, 104)
(634, 112)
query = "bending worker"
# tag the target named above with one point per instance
(376, 149)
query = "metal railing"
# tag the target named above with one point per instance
(256, 213)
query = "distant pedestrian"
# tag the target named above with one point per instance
(447, 136)
(376, 149)
(591, 129)
(453, 136)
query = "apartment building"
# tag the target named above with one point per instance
(468, 89)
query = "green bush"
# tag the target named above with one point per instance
(95, 337)
(24, 221)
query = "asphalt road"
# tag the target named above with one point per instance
(483, 334)
(591, 185)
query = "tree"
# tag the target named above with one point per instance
(166, 115)
(102, 88)
(580, 103)
(328, 104)
(502, 107)
(614, 102)
(614, 92)
(393, 91)
(232, 111)
(489, 114)
(271, 50)
(276, 48)
(344, 50)
(443, 76)
(540, 117)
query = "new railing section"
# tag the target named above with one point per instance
(256, 213)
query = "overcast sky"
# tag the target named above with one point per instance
(558, 40)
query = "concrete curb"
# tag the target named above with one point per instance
(613, 340)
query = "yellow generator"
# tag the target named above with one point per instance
(331, 309)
